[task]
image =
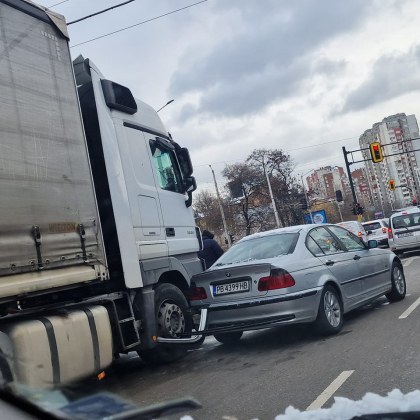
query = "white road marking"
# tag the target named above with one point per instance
(330, 390)
(410, 309)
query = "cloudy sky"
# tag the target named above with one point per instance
(305, 76)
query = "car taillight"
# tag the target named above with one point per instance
(390, 235)
(197, 293)
(359, 234)
(278, 279)
(383, 230)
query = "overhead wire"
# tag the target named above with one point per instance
(56, 4)
(138, 24)
(100, 12)
(287, 151)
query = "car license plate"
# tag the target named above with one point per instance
(223, 289)
(405, 234)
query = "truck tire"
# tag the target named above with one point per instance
(173, 317)
(229, 338)
(399, 288)
(330, 312)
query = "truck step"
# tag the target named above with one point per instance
(126, 323)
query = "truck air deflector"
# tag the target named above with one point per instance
(118, 97)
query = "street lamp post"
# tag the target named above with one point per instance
(167, 103)
(276, 214)
(306, 196)
(227, 235)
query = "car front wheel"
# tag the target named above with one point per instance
(330, 312)
(398, 289)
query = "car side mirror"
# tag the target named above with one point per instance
(372, 243)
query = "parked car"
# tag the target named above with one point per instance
(294, 275)
(377, 230)
(404, 230)
(355, 227)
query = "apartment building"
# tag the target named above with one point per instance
(402, 161)
(324, 182)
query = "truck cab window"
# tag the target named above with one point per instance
(167, 170)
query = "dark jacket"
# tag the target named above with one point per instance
(211, 251)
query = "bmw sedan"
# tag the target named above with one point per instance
(292, 275)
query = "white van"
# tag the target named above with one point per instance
(404, 230)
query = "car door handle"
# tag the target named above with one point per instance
(329, 262)
(357, 257)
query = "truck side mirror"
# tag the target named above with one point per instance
(189, 186)
(184, 162)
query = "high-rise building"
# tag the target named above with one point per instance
(401, 162)
(361, 187)
(324, 182)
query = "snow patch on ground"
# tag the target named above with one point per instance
(344, 409)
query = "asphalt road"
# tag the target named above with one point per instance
(268, 370)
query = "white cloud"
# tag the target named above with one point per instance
(247, 74)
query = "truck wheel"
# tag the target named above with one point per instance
(173, 318)
(330, 312)
(398, 289)
(228, 338)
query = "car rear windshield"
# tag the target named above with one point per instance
(268, 246)
(406, 220)
(372, 226)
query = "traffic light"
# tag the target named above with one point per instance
(376, 152)
(303, 203)
(358, 209)
(339, 196)
(391, 184)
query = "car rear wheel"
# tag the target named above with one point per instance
(398, 289)
(229, 338)
(173, 319)
(330, 312)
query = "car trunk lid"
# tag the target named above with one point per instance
(227, 282)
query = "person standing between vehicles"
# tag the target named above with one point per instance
(211, 249)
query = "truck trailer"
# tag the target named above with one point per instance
(97, 235)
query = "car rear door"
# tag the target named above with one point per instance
(339, 261)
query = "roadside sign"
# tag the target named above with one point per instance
(318, 217)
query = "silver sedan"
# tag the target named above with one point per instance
(294, 275)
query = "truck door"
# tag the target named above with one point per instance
(177, 218)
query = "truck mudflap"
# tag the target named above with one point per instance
(197, 337)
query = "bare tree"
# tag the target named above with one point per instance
(286, 189)
(245, 182)
(207, 212)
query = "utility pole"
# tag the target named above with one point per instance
(307, 200)
(276, 215)
(221, 209)
(346, 161)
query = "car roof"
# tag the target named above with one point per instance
(348, 222)
(373, 221)
(289, 229)
(409, 210)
